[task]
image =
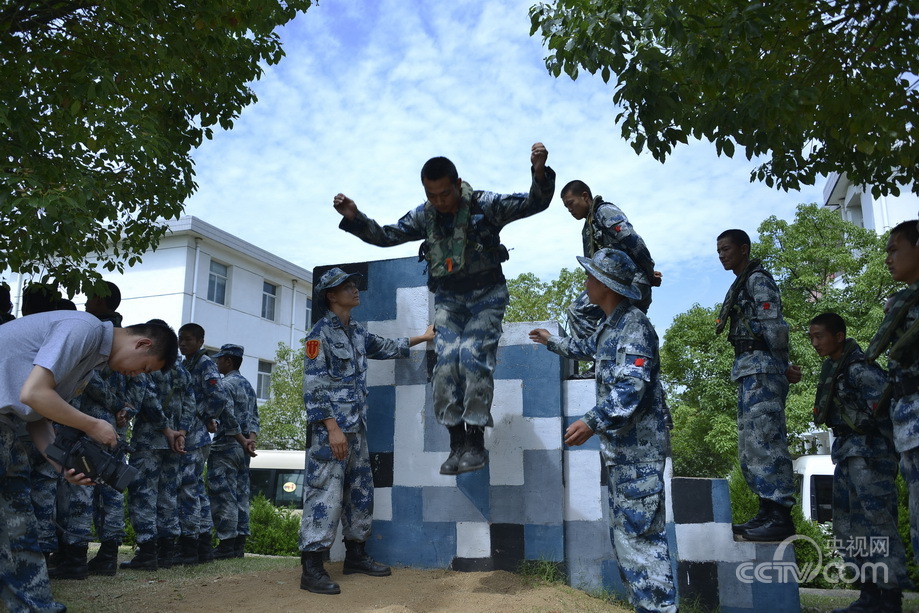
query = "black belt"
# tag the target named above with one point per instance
(744, 346)
(461, 285)
(842, 431)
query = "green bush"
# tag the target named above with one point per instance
(275, 531)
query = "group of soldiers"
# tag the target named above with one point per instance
(201, 411)
(459, 229)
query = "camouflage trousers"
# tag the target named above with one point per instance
(44, 498)
(223, 489)
(336, 490)
(80, 506)
(909, 467)
(194, 507)
(761, 437)
(865, 513)
(637, 514)
(24, 583)
(152, 496)
(245, 493)
(468, 328)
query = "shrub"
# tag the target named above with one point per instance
(275, 531)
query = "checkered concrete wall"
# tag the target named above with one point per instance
(538, 499)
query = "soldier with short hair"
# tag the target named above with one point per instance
(759, 335)
(460, 230)
(338, 482)
(227, 462)
(631, 419)
(864, 492)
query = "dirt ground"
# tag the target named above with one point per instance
(272, 585)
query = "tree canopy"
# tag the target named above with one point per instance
(283, 418)
(535, 300)
(815, 86)
(820, 263)
(101, 104)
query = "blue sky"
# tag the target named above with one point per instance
(371, 89)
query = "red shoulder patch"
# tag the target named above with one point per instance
(212, 382)
(639, 362)
(766, 306)
(312, 348)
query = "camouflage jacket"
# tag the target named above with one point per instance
(335, 370)
(631, 414)
(243, 406)
(210, 400)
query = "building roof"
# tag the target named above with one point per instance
(197, 228)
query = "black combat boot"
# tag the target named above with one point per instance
(71, 562)
(457, 447)
(188, 550)
(239, 551)
(145, 558)
(106, 560)
(357, 560)
(475, 456)
(754, 522)
(225, 549)
(868, 600)
(314, 577)
(166, 551)
(890, 601)
(777, 527)
(205, 549)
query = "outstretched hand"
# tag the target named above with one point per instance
(539, 335)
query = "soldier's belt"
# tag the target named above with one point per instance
(747, 346)
(461, 285)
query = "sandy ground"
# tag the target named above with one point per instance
(274, 587)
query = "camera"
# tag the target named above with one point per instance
(73, 449)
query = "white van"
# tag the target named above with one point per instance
(279, 476)
(814, 481)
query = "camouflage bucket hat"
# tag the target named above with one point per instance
(615, 270)
(333, 278)
(234, 350)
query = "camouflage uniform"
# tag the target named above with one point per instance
(469, 305)
(335, 386)
(631, 420)
(864, 492)
(760, 340)
(227, 460)
(607, 226)
(152, 495)
(80, 506)
(904, 412)
(249, 425)
(25, 586)
(44, 493)
(210, 401)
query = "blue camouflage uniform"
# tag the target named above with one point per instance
(335, 386)
(864, 490)
(631, 420)
(79, 506)
(227, 462)
(152, 494)
(211, 401)
(759, 335)
(903, 379)
(469, 301)
(249, 426)
(607, 227)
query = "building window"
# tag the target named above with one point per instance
(269, 299)
(309, 314)
(217, 283)
(263, 384)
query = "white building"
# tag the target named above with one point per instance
(236, 291)
(856, 204)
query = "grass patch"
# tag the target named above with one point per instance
(543, 572)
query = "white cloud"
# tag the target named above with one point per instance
(370, 89)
